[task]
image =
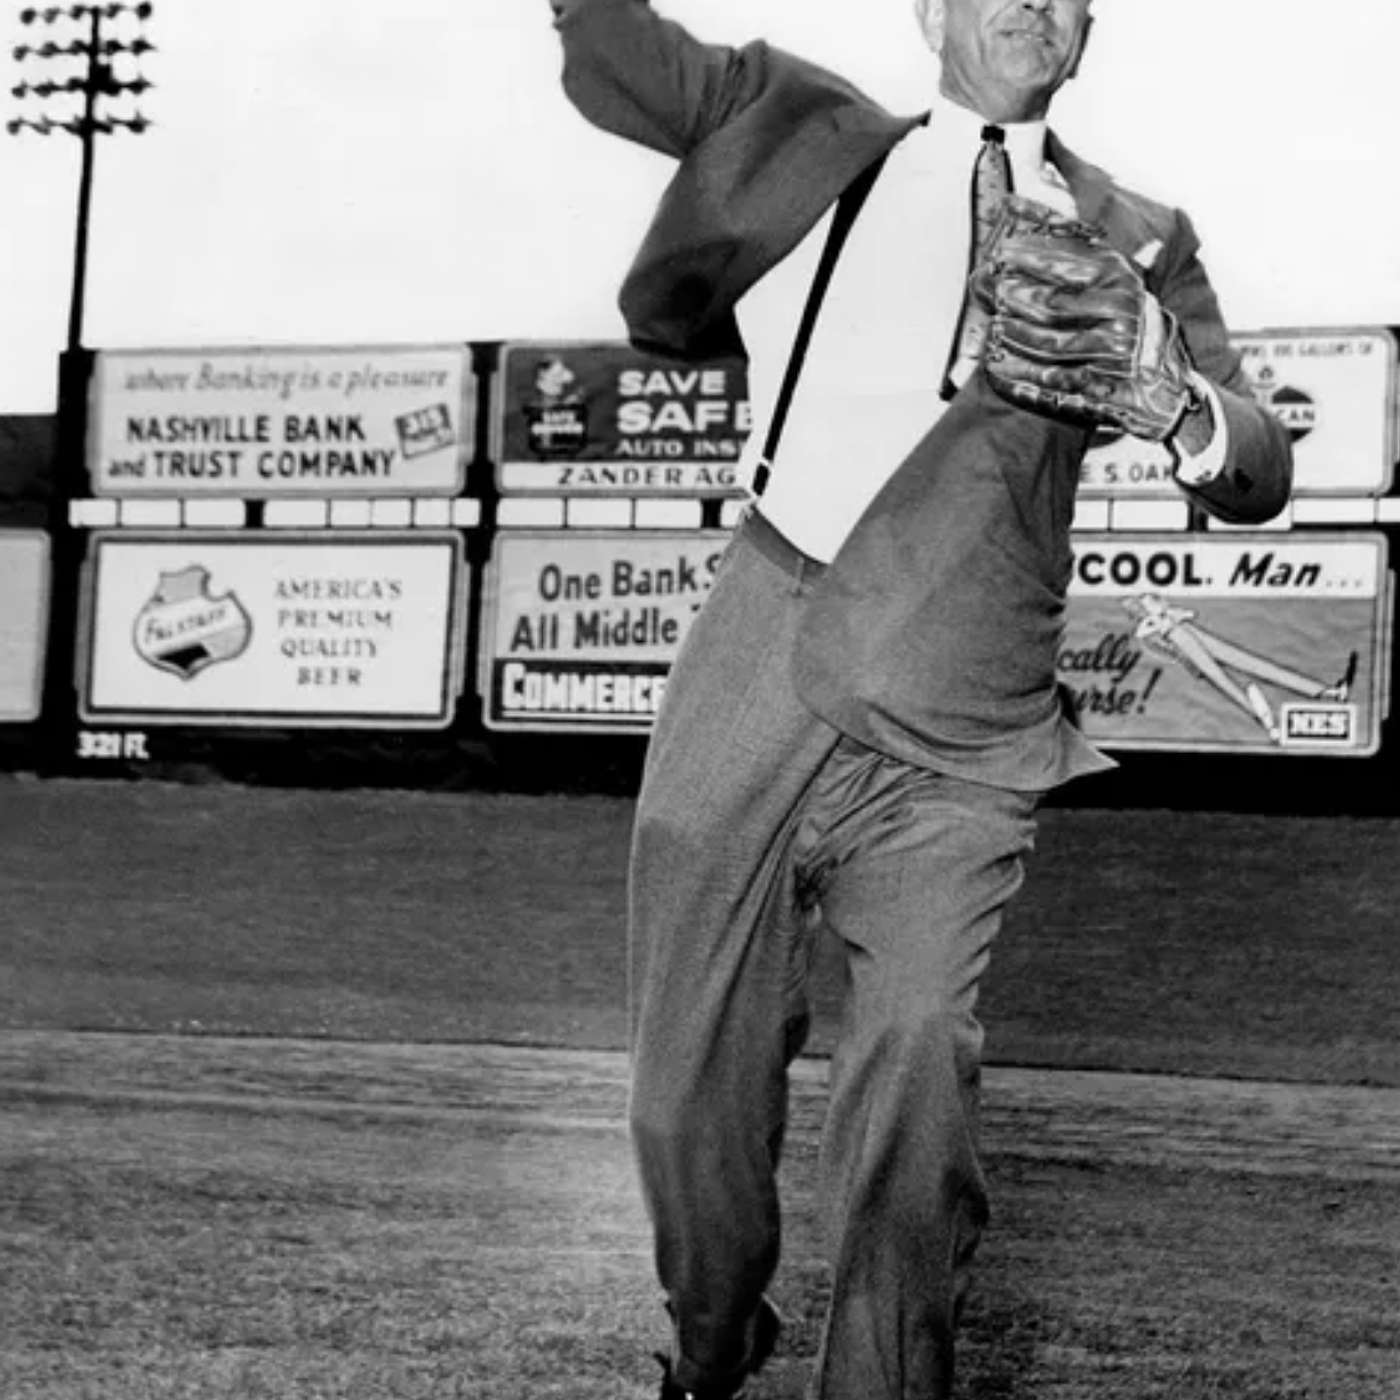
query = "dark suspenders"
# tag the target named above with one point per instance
(847, 207)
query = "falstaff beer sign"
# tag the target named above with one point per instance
(581, 628)
(600, 419)
(334, 629)
(1270, 643)
(1334, 391)
(387, 421)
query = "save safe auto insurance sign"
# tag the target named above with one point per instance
(600, 418)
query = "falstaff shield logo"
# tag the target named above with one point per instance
(184, 628)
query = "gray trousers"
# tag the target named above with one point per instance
(756, 822)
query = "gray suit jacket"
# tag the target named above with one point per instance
(932, 636)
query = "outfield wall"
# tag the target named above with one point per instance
(477, 542)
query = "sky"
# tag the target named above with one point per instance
(356, 172)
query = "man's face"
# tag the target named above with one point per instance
(1005, 59)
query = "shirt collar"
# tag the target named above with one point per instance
(1025, 141)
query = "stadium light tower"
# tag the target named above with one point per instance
(81, 75)
(83, 79)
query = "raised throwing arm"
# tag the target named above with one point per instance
(646, 78)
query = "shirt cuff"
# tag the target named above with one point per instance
(1196, 469)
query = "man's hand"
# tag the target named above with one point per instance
(1196, 429)
(1074, 332)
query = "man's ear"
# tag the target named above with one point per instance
(930, 17)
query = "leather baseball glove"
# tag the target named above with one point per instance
(1074, 333)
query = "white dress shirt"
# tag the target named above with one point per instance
(869, 388)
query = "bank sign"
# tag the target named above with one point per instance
(326, 630)
(599, 418)
(372, 421)
(580, 627)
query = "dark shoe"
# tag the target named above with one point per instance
(766, 1327)
(671, 1391)
(1342, 690)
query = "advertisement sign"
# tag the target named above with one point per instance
(1271, 643)
(1335, 392)
(580, 627)
(604, 419)
(372, 421)
(24, 623)
(344, 630)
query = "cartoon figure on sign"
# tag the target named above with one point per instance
(558, 416)
(184, 628)
(1172, 632)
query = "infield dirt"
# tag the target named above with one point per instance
(312, 1210)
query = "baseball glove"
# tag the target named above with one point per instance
(1074, 333)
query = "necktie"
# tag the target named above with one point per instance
(991, 183)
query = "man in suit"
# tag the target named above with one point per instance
(865, 713)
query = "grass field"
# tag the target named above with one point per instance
(1183, 943)
(318, 1095)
